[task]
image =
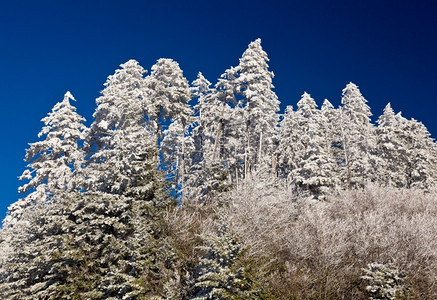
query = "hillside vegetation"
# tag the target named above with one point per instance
(188, 191)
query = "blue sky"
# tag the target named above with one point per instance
(387, 48)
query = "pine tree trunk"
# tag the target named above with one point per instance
(158, 131)
(346, 153)
(260, 148)
(274, 162)
(182, 167)
(246, 167)
(218, 134)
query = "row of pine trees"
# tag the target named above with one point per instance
(91, 223)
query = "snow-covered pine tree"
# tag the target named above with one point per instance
(228, 150)
(357, 137)
(114, 246)
(259, 105)
(205, 175)
(120, 141)
(56, 162)
(32, 229)
(120, 245)
(307, 116)
(176, 147)
(420, 156)
(332, 136)
(315, 164)
(390, 149)
(288, 144)
(247, 126)
(27, 271)
(407, 151)
(385, 281)
(168, 94)
(205, 118)
(90, 245)
(219, 275)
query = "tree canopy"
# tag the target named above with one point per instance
(180, 191)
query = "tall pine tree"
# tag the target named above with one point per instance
(56, 162)
(357, 137)
(120, 140)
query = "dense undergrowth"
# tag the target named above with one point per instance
(299, 248)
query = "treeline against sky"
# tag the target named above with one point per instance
(201, 191)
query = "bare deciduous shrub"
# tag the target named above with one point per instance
(184, 228)
(316, 250)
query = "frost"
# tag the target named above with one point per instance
(385, 281)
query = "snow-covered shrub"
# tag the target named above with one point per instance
(263, 215)
(317, 249)
(384, 281)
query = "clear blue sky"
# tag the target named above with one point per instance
(388, 48)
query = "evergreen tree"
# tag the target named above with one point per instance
(390, 149)
(288, 144)
(255, 109)
(27, 272)
(92, 245)
(419, 154)
(228, 150)
(168, 94)
(206, 121)
(124, 176)
(357, 137)
(332, 135)
(306, 118)
(252, 118)
(102, 243)
(56, 162)
(406, 150)
(206, 175)
(260, 105)
(120, 140)
(315, 164)
(115, 247)
(385, 281)
(219, 275)
(31, 230)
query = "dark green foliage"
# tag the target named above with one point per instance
(116, 247)
(219, 274)
(91, 246)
